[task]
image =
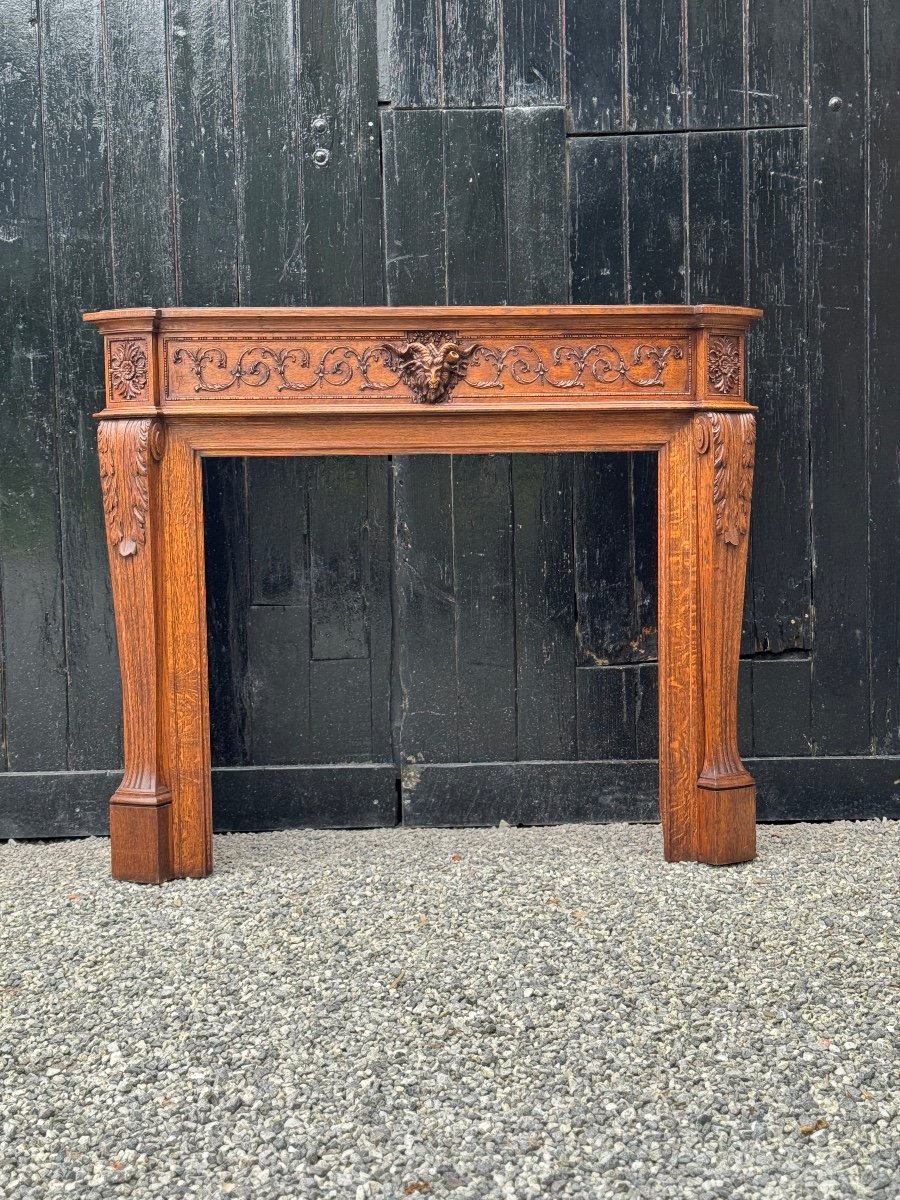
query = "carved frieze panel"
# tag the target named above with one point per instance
(426, 367)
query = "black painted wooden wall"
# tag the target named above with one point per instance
(482, 627)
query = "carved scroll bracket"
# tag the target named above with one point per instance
(126, 449)
(733, 441)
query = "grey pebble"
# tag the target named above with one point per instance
(554, 1012)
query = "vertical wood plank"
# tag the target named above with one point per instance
(604, 584)
(278, 641)
(657, 267)
(780, 561)
(884, 367)
(545, 606)
(409, 53)
(378, 580)
(837, 174)
(485, 627)
(597, 220)
(272, 263)
(426, 609)
(371, 210)
(715, 56)
(340, 699)
(228, 608)
(337, 507)
(532, 52)
(655, 64)
(279, 653)
(471, 53)
(536, 205)
(35, 720)
(140, 153)
(781, 688)
(594, 65)
(716, 217)
(476, 207)
(81, 279)
(328, 36)
(203, 151)
(776, 63)
(415, 253)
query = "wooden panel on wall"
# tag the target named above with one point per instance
(81, 258)
(715, 57)
(532, 52)
(776, 64)
(884, 369)
(594, 65)
(34, 717)
(472, 54)
(272, 261)
(838, 233)
(655, 64)
(139, 152)
(779, 583)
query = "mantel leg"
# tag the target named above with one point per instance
(707, 798)
(680, 700)
(140, 816)
(726, 799)
(188, 698)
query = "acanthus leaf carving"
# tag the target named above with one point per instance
(125, 450)
(733, 441)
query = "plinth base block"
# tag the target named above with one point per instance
(141, 842)
(726, 824)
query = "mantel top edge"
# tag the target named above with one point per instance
(553, 316)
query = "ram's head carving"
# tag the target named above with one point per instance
(430, 364)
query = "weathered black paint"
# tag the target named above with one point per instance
(486, 626)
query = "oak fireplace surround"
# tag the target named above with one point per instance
(183, 383)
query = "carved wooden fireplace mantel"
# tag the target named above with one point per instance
(184, 383)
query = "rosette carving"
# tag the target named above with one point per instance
(724, 365)
(128, 368)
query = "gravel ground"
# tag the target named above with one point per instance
(478, 1013)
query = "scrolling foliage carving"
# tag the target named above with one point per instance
(733, 440)
(429, 363)
(603, 362)
(125, 450)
